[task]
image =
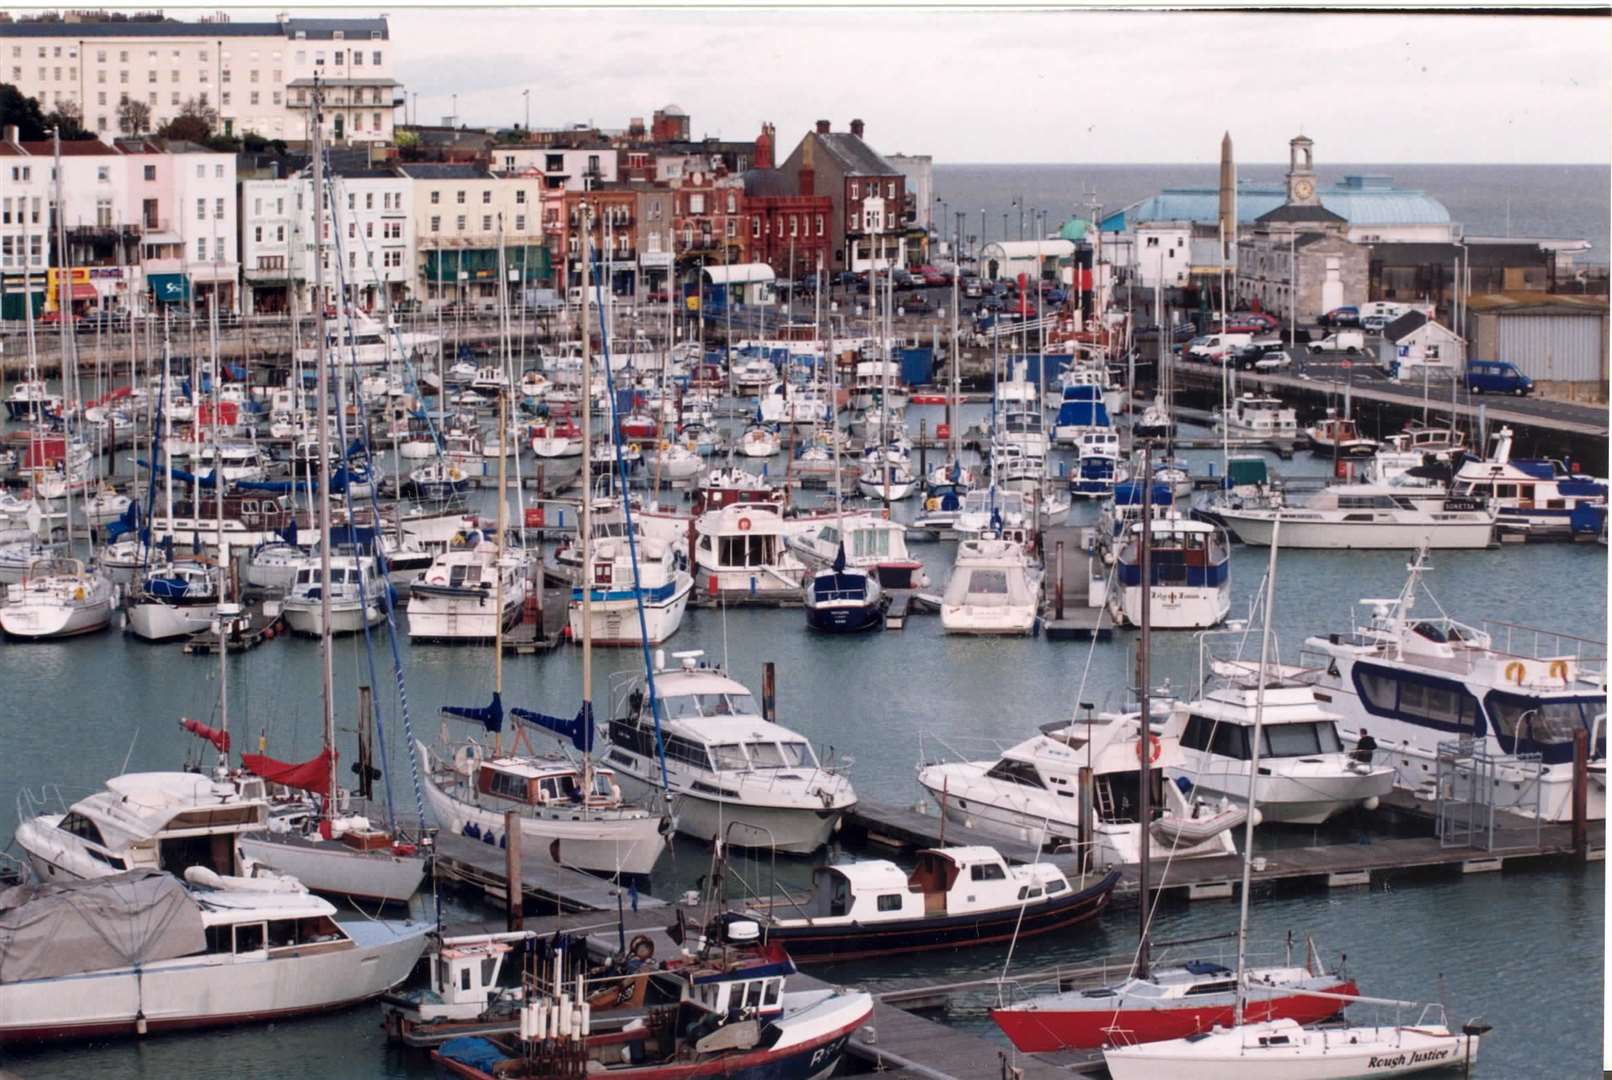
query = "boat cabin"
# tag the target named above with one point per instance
(542, 783)
(945, 881)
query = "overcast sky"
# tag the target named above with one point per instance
(1002, 86)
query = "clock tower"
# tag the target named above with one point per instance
(1301, 173)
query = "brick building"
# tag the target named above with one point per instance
(788, 223)
(867, 195)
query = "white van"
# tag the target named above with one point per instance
(1218, 348)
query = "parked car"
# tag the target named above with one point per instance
(1343, 316)
(1268, 322)
(847, 278)
(53, 319)
(990, 304)
(972, 288)
(1373, 324)
(107, 322)
(1059, 295)
(916, 303)
(1263, 354)
(932, 276)
(1497, 377)
(1218, 348)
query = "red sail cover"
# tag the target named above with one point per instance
(312, 775)
(219, 739)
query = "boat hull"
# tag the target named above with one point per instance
(164, 622)
(615, 622)
(211, 990)
(1347, 1054)
(36, 622)
(348, 618)
(1337, 535)
(331, 867)
(1037, 1030)
(844, 618)
(795, 830)
(861, 940)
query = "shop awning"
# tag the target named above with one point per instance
(81, 291)
(170, 288)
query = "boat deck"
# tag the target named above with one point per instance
(1076, 618)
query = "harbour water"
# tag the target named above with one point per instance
(1523, 949)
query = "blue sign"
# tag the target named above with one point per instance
(170, 288)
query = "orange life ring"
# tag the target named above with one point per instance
(744, 524)
(1558, 670)
(1155, 749)
(1515, 671)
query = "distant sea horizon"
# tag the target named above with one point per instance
(1536, 201)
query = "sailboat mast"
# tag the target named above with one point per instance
(585, 526)
(1253, 777)
(64, 280)
(498, 556)
(223, 544)
(956, 418)
(1144, 740)
(326, 679)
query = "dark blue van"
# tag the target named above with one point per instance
(1496, 377)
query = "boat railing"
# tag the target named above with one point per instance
(1532, 643)
(48, 799)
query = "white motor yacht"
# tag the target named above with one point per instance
(994, 588)
(871, 543)
(453, 600)
(1415, 682)
(1305, 777)
(175, 600)
(737, 776)
(1254, 416)
(358, 595)
(1369, 516)
(741, 553)
(1190, 567)
(1031, 791)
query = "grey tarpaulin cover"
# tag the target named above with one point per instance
(110, 922)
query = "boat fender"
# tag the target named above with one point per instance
(472, 830)
(1516, 671)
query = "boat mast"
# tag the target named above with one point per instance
(326, 680)
(956, 417)
(1144, 733)
(69, 359)
(585, 525)
(498, 574)
(1253, 779)
(223, 544)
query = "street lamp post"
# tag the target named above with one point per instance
(526, 98)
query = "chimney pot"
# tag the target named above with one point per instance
(856, 128)
(11, 133)
(822, 127)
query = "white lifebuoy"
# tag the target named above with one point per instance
(467, 759)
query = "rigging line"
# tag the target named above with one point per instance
(379, 546)
(655, 707)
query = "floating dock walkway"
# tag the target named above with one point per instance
(1072, 563)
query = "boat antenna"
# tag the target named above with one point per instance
(1253, 780)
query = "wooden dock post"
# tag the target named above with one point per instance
(1057, 589)
(923, 448)
(1083, 829)
(514, 892)
(769, 692)
(1581, 793)
(366, 715)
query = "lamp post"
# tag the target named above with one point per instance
(526, 99)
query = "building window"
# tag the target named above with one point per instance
(732, 229)
(819, 224)
(201, 249)
(376, 57)
(520, 197)
(461, 223)
(436, 197)
(376, 117)
(436, 223)
(856, 190)
(486, 223)
(218, 208)
(201, 209)
(151, 172)
(487, 197)
(755, 227)
(460, 196)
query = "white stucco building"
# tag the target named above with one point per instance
(257, 75)
(369, 254)
(568, 168)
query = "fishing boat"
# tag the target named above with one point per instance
(1024, 428)
(876, 382)
(994, 589)
(734, 1019)
(1305, 776)
(1414, 682)
(30, 399)
(648, 574)
(1364, 516)
(57, 598)
(1255, 416)
(841, 600)
(142, 952)
(1099, 466)
(1339, 436)
(1031, 791)
(1542, 498)
(733, 772)
(954, 897)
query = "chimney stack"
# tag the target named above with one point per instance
(808, 173)
(822, 127)
(11, 133)
(764, 147)
(856, 128)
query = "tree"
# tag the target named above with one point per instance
(68, 118)
(134, 117)
(195, 123)
(22, 111)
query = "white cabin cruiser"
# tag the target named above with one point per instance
(1305, 777)
(1031, 792)
(994, 588)
(872, 543)
(737, 776)
(1413, 682)
(174, 600)
(1369, 516)
(358, 595)
(58, 598)
(1538, 496)
(1254, 416)
(1190, 567)
(741, 553)
(454, 599)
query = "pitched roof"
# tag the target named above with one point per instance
(855, 156)
(768, 183)
(70, 148)
(1402, 326)
(1292, 213)
(313, 29)
(325, 29)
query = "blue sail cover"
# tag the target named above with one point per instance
(579, 729)
(1074, 413)
(127, 523)
(1131, 493)
(490, 716)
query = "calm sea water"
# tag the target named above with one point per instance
(1522, 949)
(1568, 201)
